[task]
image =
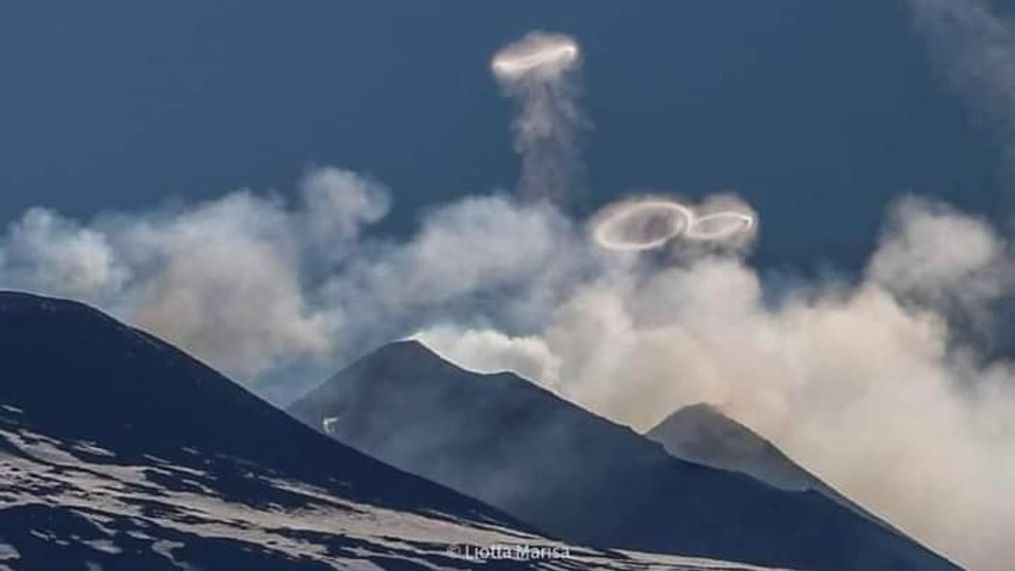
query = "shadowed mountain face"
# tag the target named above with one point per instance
(703, 435)
(118, 451)
(560, 468)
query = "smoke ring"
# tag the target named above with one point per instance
(538, 53)
(729, 224)
(608, 231)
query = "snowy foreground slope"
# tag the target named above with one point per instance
(67, 505)
(118, 451)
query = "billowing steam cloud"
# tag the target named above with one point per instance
(864, 383)
(223, 279)
(255, 285)
(537, 72)
(870, 383)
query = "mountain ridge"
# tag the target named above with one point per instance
(701, 433)
(200, 380)
(120, 451)
(558, 467)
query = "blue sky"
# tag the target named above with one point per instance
(817, 113)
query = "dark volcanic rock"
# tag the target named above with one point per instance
(562, 469)
(701, 434)
(118, 451)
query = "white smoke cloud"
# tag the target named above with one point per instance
(975, 50)
(253, 285)
(942, 257)
(490, 351)
(537, 72)
(225, 280)
(476, 243)
(481, 258)
(337, 205)
(865, 383)
(49, 251)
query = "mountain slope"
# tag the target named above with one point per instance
(701, 434)
(552, 464)
(118, 451)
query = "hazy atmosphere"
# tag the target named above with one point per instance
(762, 208)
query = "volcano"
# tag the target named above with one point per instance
(118, 451)
(562, 469)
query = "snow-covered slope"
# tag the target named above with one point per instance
(118, 451)
(74, 505)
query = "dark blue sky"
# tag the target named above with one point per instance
(816, 112)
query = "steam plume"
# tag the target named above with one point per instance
(866, 384)
(537, 72)
(224, 279)
(975, 50)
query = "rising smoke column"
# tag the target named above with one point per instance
(975, 50)
(537, 72)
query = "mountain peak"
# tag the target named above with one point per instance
(18, 301)
(122, 452)
(407, 349)
(82, 375)
(399, 364)
(701, 410)
(575, 475)
(701, 433)
(704, 425)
